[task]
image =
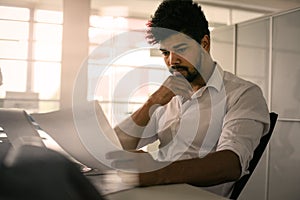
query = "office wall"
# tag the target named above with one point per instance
(285, 148)
(266, 51)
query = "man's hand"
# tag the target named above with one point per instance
(134, 161)
(132, 165)
(173, 85)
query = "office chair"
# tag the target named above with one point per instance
(240, 184)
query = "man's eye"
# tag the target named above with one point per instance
(181, 50)
(165, 53)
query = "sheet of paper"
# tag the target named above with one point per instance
(82, 132)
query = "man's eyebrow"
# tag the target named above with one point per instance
(163, 49)
(180, 45)
(175, 47)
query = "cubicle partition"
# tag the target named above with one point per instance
(267, 51)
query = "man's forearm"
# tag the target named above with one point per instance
(138, 120)
(142, 116)
(215, 168)
(172, 85)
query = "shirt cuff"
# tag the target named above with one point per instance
(129, 127)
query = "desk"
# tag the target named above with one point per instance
(165, 192)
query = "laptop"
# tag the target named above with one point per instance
(17, 127)
(16, 130)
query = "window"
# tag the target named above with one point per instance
(30, 58)
(122, 72)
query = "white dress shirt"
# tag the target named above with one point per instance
(228, 113)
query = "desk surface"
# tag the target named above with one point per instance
(165, 192)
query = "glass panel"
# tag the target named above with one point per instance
(12, 30)
(286, 68)
(285, 161)
(48, 16)
(47, 80)
(14, 13)
(253, 53)
(48, 32)
(47, 51)
(14, 76)
(255, 187)
(13, 49)
(222, 48)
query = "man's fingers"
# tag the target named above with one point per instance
(178, 85)
(113, 154)
(124, 164)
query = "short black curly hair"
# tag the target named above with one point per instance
(183, 16)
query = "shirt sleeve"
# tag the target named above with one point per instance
(245, 122)
(149, 134)
(129, 127)
(241, 137)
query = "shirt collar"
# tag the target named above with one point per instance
(215, 81)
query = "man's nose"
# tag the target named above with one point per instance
(174, 59)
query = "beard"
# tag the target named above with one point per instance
(190, 76)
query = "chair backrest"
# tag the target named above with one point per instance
(240, 184)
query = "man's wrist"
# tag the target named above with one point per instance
(157, 177)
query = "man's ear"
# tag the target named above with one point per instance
(205, 43)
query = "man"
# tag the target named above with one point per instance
(208, 121)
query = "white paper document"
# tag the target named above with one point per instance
(83, 132)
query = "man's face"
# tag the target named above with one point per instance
(181, 55)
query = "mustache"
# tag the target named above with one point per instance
(175, 68)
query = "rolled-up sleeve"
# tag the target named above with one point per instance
(129, 127)
(241, 137)
(245, 122)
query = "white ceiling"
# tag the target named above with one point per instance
(258, 5)
(145, 7)
(217, 11)
(263, 5)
